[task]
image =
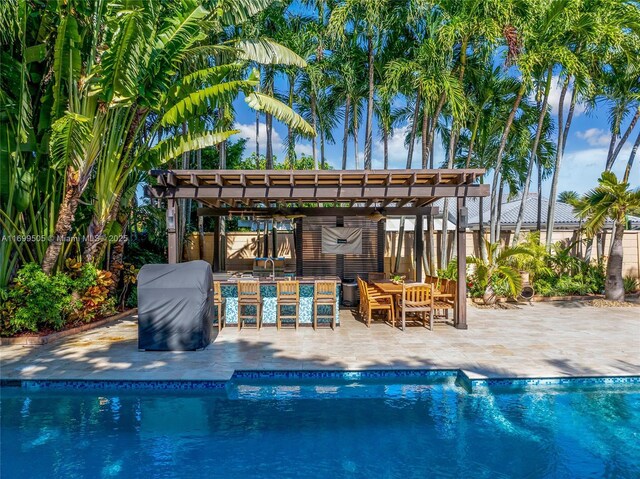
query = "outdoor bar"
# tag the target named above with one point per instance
(337, 222)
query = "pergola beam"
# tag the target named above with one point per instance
(309, 212)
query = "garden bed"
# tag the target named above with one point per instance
(549, 299)
(45, 337)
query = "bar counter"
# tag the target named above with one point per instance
(229, 290)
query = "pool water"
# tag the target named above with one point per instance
(325, 429)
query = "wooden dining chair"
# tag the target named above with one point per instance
(249, 297)
(287, 294)
(445, 297)
(219, 304)
(417, 298)
(324, 295)
(376, 301)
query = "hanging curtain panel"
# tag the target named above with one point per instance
(339, 240)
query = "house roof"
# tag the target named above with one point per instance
(565, 217)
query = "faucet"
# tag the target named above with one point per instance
(273, 267)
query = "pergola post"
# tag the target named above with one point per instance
(216, 244)
(381, 240)
(172, 234)
(461, 293)
(419, 247)
(297, 239)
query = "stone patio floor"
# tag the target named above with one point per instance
(541, 340)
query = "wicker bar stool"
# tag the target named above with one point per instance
(287, 294)
(249, 295)
(324, 294)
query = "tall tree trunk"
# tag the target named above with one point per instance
(559, 154)
(314, 125)
(425, 138)
(369, 127)
(345, 136)
(291, 140)
(322, 159)
(95, 243)
(501, 148)
(222, 147)
(481, 230)
(355, 134)
(434, 125)
(385, 147)
(199, 166)
(611, 161)
(614, 285)
(269, 154)
(499, 212)
(66, 216)
(493, 214)
(539, 206)
(532, 159)
(474, 133)
(257, 140)
(414, 129)
(632, 157)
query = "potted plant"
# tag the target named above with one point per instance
(398, 279)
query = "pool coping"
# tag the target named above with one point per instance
(462, 379)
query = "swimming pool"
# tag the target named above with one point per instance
(403, 427)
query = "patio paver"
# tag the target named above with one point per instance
(542, 340)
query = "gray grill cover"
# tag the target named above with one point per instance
(175, 306)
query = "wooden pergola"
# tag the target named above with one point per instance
(273, 193)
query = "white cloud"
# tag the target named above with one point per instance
(248, 131)
(305, 148)
(595, 136)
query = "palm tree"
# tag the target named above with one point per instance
(369, 18)
(610, 199)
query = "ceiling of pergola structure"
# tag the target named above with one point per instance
(231, 191)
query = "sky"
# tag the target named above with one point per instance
(584, 158)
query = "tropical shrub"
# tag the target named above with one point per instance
(630, 284)
(496, 275)
(37, 301)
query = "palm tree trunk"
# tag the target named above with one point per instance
(632, 157)
(313, 138)
(345, 136)
(425, 138)
(501, 148)
(117, 254)
(623, 140)
(532, 159)
(222, 147)
(499, 219)
(559, 154)
(269, 155)
(257, 139)
(322, 160)
(291, 140)
(66, 216)
(474, 133)
(612, 142)
(614, 285)
(369, 127)
(481, 230)
(493, 215)
(539, 216)
(434, 124)
(385, 147)
(414, 128)
(355, 134)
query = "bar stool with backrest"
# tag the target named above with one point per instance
(417, 298)
(324, 294)
(249, 296)
(219, 305)
(287, 294)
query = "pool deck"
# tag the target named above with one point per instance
(564, 339)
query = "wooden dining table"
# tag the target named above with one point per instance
(387, 286)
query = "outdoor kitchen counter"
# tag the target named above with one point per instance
(229, 291)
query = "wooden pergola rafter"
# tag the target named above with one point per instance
(295, 193)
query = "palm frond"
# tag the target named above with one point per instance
(268, 52)
(282, 112)
(174, 147)
(70, 135)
